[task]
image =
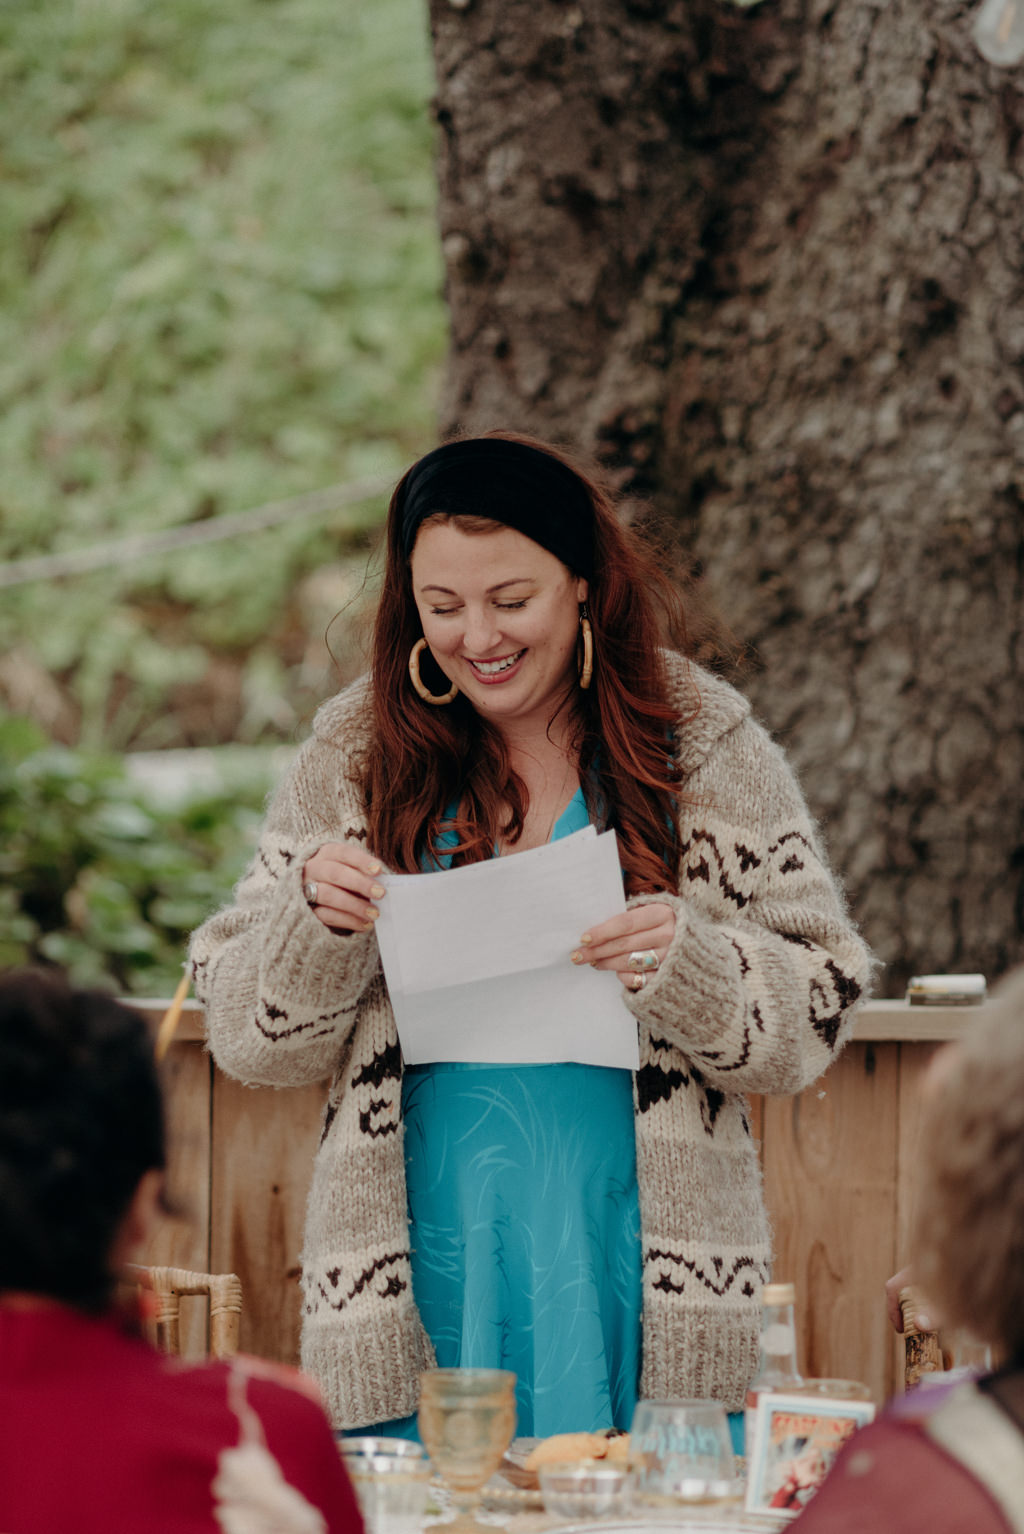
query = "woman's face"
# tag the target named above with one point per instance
(501, 617)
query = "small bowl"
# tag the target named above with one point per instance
(589, 1488)
(351, 1447)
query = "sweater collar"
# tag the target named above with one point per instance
(708, 709)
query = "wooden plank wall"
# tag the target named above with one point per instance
(184, 1242)
(263, 1147)
(832, 1170)
(837, 1160)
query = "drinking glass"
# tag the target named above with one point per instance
(467, 1418)
(833, 1390)
(968, 1356)
(354, 1445)
(681, 1453)
(392, 1489)
(586, 1489)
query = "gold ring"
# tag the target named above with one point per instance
(310, 891)
(642, 961)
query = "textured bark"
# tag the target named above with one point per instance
(767, 265)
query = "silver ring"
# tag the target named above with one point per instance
(642, 961)
(309, 889)
(635, 982)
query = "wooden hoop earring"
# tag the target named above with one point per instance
(587, 636)
(417, 681)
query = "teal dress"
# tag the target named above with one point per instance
(525, 1229)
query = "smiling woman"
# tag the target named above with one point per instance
(542, 1218)
(470, 622)
(511, 532)
(501, 617)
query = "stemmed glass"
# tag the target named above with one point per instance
(681, 1453)
(467, 1419)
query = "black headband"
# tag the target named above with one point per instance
(519, 486)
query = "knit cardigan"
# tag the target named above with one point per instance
(756, 994)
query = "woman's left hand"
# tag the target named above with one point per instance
(627, 943)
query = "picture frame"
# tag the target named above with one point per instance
(796, 1441)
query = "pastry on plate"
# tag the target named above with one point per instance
(565, 1448)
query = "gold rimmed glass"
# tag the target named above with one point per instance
(467, 1419)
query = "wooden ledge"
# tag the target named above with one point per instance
(898, 1021)
(190, 1028)
(877, 1021)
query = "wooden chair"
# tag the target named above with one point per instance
(224, 1291)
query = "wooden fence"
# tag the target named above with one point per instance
(838, 1163)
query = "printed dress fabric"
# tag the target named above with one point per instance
(525, 1228)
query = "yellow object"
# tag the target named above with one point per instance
(169, 1021)
(564, 1448)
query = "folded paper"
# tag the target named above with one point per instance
(477, 959)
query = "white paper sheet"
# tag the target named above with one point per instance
(477, 959)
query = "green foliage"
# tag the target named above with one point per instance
(97, 877)
(219, 286)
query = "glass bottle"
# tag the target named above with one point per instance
(776, 1369)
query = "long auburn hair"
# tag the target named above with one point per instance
(423, 759)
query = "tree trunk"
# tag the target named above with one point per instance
(766, 265)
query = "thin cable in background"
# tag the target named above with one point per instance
(104, 556)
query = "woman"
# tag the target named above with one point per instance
(949, 1456)
(98, 1432)
(517, 692)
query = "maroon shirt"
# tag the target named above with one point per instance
(892, 1478)
(100, 1434)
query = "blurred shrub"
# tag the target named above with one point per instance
(96, 876)
(220, 285)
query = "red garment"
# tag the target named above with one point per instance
(100, 1434)
(891, 1478)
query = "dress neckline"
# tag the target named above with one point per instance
(575, 817)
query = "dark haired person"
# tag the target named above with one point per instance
(529, 1216)
(98, 1432)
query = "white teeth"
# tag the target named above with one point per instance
(494, 667)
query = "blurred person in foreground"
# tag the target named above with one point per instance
(599, 1231)
(99, 1433)
(948, 1457)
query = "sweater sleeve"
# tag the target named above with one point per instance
(761, 981)
(279, 989)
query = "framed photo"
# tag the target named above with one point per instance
(796, 1440)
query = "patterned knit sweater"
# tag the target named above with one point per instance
(756, 995)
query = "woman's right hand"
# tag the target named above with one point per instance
(346, 886)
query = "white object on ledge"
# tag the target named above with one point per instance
(999, 31)
(946, 990)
